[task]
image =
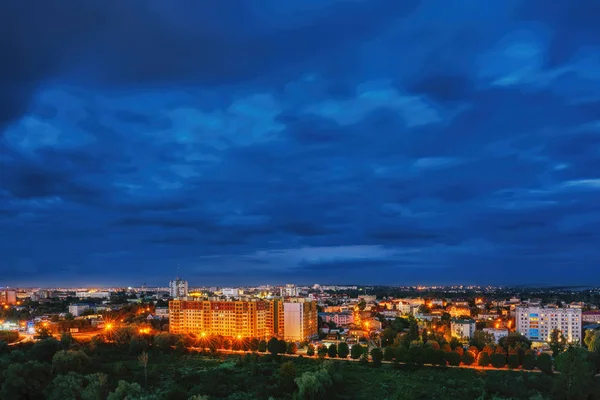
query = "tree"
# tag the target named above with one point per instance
(322, 351)
(514, 339)
(529, 361)
(291, 348)
(287, 376)
(262, 346)
(544, 363)
(332, 351)
(282, 346)
(25, 381)
(362, 304)
(137, 345)
(164, 342)
(401, 354)
(254, 344)
(3, 347)
(376, 356)
(66, 361)
(97, 387)
(513, 361)
(273, 346)
(66, 386)
(480, 339)
(484, 359)
(66, 340)
(388, 353)
(343, 350)
(45, 349)
(356, 351)
(576, 377)
(558, 342)
(452, 358)
(416, 354)
(312, 385)
(469, 357)
(310, 351)
(592, 340)
(143, 359)
(413, 331)
(126, 391)
(498, 360)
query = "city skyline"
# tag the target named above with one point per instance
(380, 142)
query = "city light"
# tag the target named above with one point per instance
(108, 326)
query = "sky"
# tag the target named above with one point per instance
(314, 141)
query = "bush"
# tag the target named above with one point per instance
(310, 351)
(513, 361)
(498, 360)
(452, 358)
(376, 355)
(484, 359)
(529, 361)
(388, 353)
(544, 363)
(343, 350)
(468, 358)
(401, 354)
(332, 351)
(356, 351)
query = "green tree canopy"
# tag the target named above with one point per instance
(356, 351)
(343, 350)
(66, 361)
(332, 350)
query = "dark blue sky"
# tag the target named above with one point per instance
(392, 142)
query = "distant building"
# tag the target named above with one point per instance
(498, 333)
(537, 323)
(178, 289)
(92, 295)
(162, 312)
(462, 328)
(77, 309)
(299, 319)
(231, 292)
(339, 318)
(8, 296)
(290, 291)
(457, 312)
(591, 317)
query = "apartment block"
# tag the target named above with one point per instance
(537, 323)
(300, 319)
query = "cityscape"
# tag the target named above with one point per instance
(300, 200)
(466, 327)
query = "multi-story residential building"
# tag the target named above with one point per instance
(339, 318)
(457, 312)
(290, 290)
(178, 289)
(92, 295)
(462, 328)
(227, 318)
(78, 309)
(591, 317)
(230, 292)
(537, 323)
(8, 296)
(161, 312)
(498, 333)
(300, 319)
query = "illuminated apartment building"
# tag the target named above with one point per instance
(537, 323)
(227, 318)
(300, 319)
(256, 319)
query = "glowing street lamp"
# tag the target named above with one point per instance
(108, 326)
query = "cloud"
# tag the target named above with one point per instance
(299, 141)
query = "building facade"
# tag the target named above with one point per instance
(537, 323)
(300, 319)
(78, 309)
(498, 333)
(178, 289)
(227, 318)
(462, 328)
(8, 296)
(339, 318)
(591, 317)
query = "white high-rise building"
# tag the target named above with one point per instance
(230, 292)
(178, 289)
(290, 290)
(462, 328)
(537, 323)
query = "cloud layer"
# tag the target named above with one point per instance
(340, 141)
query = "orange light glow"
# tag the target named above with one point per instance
(203, 334)
(108, 327)
(239, 337)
